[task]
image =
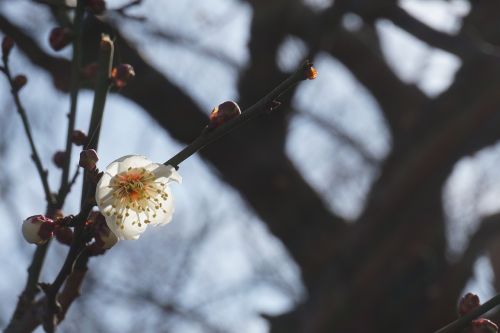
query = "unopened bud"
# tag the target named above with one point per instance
(223, 113)
(310, 72)
(122, 75)
(60, 37)
(88, 159)
(468, 303)
(78, 138)
(7, 45)
(38, 229)
(19, 82)
(64, 235)
(483, 325)
(59, 158)
(97, 7)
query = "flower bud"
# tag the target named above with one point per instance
(63, 234)
(122, 75)
(468, 303)
(7, 45)
(223, 113)
(59, 158)
(310, 72)
(60, 37)
(97, 7)
(38, 229)
(78, 138)
(483, 325)
(19, 82)
(88, 159)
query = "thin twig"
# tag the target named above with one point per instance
(78, 244)
(43, 173)
(74, 178)
(105, 63)
(263, 105)
(464, 321)
(79, 240)
(74, 86)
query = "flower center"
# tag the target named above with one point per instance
(136, 191)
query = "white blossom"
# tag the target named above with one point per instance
(133, 193)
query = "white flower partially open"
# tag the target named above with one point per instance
(133, 193)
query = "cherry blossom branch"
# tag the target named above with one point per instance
(464, 321)
(74, 86)
(54, 309)
(267, 103)
(43, 173)
(31, 288)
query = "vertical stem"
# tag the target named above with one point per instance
(74, 86)
(105, 63)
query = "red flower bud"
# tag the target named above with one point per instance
(88, 159)
(78, 138)
(7, 45)
(468, 303)
(19, 82)
(97, 7)
(59, 158)
(38, 229)
(60, 37)
(483, 325)
(122, 75)
(223, 113)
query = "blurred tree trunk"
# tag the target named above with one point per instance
(387, 271)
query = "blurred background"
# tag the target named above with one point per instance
(368, 202)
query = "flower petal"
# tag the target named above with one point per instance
(103, 195)
(131, 228)
(164, 215)
(131, 161)
(139, 196)
(165, 171)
